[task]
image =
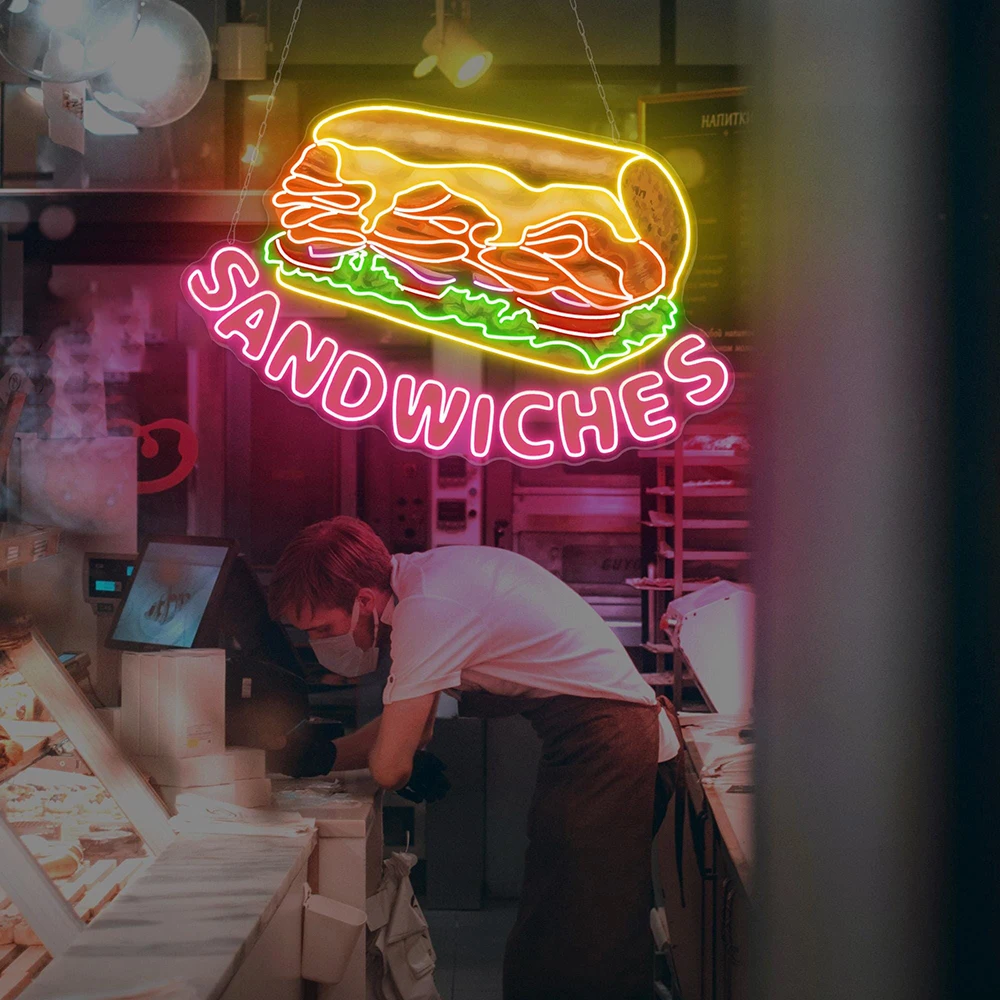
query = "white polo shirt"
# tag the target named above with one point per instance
(471, 618)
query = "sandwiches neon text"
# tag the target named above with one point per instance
(532, 426)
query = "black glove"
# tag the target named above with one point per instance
(309, 752)
(318, 759)
(427, 781)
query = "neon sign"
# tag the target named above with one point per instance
(565, 255)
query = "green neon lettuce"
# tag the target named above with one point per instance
(364, 274)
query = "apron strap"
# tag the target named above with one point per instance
(680, 792)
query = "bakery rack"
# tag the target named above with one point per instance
(696, 489)
(65, 746)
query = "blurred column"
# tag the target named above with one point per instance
(971, 679)
(875, 472)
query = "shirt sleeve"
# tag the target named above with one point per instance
(433, 639)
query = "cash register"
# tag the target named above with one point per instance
(197, 593)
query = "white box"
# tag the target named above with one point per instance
(174, 703)
(330, 932)
(252, 793)
(111, 718)
(234, 764)
(714, 630)
(242, 52)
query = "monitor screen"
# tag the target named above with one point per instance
(170, 593)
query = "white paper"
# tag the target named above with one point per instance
(198, 814)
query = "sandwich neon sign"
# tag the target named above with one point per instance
(566, 255)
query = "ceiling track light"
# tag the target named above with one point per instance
(451, 48)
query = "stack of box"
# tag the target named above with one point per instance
(236, 775)
(173, 723)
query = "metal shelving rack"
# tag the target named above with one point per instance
(669, 521)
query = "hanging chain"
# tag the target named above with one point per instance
(593, 68)
(263, 125)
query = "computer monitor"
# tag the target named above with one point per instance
(198, 593)
(173, 596)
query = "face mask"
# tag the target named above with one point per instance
(341, 655)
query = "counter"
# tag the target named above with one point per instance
(721, 766)
(348, 859)
(705, 860)
(195, 915)
(222, 914)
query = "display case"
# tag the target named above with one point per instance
(77, 820)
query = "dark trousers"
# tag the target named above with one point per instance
(582, 929)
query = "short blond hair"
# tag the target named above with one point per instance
(325, 566)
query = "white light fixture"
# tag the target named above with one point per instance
(451, 48)
(61, 13)
(65, 41)
(163, 71)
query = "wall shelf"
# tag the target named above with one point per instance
(698, 523)
(659, 648)
(705, 555)
(700, 457)
(662, 679)
(690, 586)
(700, 491)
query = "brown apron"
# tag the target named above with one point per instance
(582, 929)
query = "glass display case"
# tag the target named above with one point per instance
(77, 820)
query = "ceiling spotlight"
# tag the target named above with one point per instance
(452, 49)
(425, 66)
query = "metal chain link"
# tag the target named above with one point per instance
(230, 239)
(593, 68)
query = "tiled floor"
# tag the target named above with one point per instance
(469, 946)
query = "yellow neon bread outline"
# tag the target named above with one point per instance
(555, 185)
(530, 130)
(489, 244)
(617, 196)
(494, 270)
(371, 225)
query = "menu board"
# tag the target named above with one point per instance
(703, 135)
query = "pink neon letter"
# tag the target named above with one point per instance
(350, 365)
(309, 365)
(599, 418)
(640, 404)
(220, 292)
(512, 425)
(435, 411)
(482, 425)
(252, 320)
(711, 373)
